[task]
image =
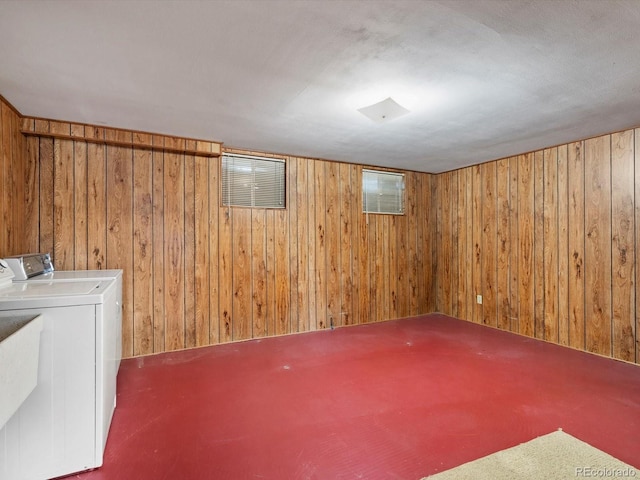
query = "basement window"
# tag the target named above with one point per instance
(382, 192)
(255, 182)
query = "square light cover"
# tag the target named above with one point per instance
(384, 111)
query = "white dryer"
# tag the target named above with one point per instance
(62, 426)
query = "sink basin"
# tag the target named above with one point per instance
(19, 352)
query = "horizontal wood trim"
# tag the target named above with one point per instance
(126, 144)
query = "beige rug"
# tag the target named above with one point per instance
(557, 455)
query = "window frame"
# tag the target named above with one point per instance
(254, 159)
(400, 175)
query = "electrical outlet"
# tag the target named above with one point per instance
(479, 299)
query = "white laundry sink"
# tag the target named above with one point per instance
(19, 353)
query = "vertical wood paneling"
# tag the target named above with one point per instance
(292, 237)
(81, 257)
(314, 289)
(598, 244)
(174, 251)
(412, 238)
(159, 318)
(489, 244)
(550, 246)
(197, 273)
(303, 245)
(636, 176)
(143, 253)
(622, 253)
(477, 222)
(320, 203)
(96, 205)
(470, 251)
(444, 241)
(526, 291)
(575, 174)
(282, 275)
(563, 247)
(63, 219)
(270, 234)
(202, 258)
(462, 210)
(346, 252)
(538, 243)
(120, 232)
(504, 244)
(189, 251)
(259, 272)
(215, 257)
(514, 254)
(32, 208)
(46, 195)
(332, 236)
(242, 282)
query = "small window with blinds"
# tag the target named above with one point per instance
(382, 192)
(256, 182)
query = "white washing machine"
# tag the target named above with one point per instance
(62, 426)
(37, 267)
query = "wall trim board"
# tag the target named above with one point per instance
(38, 127)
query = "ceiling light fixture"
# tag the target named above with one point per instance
(384, 111)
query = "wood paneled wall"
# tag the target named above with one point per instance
(550, 240)
(14, 188)
(198, 274)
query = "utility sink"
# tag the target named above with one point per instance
(19, 352)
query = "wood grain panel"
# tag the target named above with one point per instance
(46, 196)
(444, 241)
(489, 244)
(302, 235)
(461, 221)
(189, 251)
(622, 247)
(598, 244)
(215, 257)
(346, 237)
(514, 253)
(80, 216)
(575, 173)
(282, 275)
(119, 251)
(503, 216)
(563, 247)
(159, 318)
(143, 253)
(314, 289)
(259, 271)
(550, 246)
(292, 237)
(538, 243)
(270, 231)
(242, 285)
(526, 291)
(202, 258)
(332, 236)
(412, 238)
(63, 219)
(477, 222)
(320, 203)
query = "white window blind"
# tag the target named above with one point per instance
(249, 181)
(382, 192)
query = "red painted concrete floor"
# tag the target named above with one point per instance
(394, 400)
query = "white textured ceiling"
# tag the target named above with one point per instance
(483, 79)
